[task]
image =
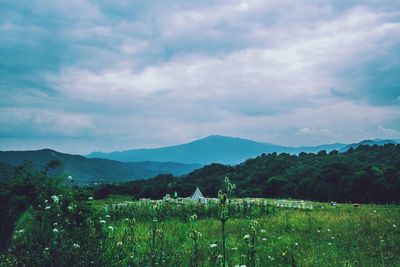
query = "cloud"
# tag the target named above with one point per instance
(134, 74)
(387, 132)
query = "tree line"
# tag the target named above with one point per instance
(366, 174)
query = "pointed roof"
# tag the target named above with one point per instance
(197, 194)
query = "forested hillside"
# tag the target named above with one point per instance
(89, 171)
(364, 174)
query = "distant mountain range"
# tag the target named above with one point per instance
(212, 149)
(85, 170)
(145, 163)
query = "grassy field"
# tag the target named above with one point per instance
(122, 232)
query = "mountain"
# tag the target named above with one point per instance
(85, 170)
(379, 142)
(212, 149)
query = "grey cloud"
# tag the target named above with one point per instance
(257, 69)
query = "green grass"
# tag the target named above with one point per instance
(127, 235)
(329, 236)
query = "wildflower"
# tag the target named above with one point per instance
(213, 245)
(90, 198)
(55, 199)
(246, 237)
(46, 201)
(264, 239)
(47, 208)
(55, 230)
(108, 216)
(75, 245)
(102, 221)
(55, 224)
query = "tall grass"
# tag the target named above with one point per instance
(168, 234)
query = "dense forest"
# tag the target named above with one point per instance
(367, 174)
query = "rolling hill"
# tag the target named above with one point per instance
(379, 142)
(85, 170)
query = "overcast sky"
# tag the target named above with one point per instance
(79, 75)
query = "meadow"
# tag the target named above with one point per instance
(118, 231)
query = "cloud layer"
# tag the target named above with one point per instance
(90, 75)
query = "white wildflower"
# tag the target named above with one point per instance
(108, 216)
(55, 199)
(55, 230)
(102, 221)
(90, 198)
(213, 245)
(246, 237)
(75, 245)
(47, 208)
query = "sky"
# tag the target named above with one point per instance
(81, 76)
